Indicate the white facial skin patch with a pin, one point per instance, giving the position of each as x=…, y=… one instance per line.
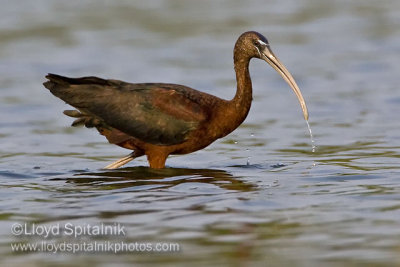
x=261, y=42
x=258, y=51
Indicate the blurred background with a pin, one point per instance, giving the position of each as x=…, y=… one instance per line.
x=257, y=197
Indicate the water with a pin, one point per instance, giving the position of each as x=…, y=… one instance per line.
x=313, y=146
x=336, y=206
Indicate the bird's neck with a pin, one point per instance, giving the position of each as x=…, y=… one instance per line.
x=244, y=92
x=235, y=111
x=241, y=103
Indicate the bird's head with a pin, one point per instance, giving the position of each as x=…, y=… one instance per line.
x=255, y=45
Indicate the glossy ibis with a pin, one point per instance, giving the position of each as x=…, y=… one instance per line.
x=160, y=119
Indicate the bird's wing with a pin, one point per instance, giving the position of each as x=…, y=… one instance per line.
x=154, y=113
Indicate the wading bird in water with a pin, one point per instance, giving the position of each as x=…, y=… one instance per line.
x=161, y=119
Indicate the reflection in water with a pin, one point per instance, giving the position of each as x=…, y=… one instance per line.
x=165, y=178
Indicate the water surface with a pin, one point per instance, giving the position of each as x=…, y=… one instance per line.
x=257, y=197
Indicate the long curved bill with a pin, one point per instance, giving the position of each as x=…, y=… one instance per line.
x=269, y=57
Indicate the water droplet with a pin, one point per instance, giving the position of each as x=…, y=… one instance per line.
x=248, y=161
x=248, y=157
x=313, y=146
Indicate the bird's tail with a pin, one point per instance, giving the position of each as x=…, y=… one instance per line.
x=58, y=80
x=75, y=91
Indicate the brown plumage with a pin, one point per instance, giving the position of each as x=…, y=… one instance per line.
x=159, y=119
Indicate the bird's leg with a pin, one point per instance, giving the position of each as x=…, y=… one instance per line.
x=124, y=160
x=157, y=160
x=119, y=163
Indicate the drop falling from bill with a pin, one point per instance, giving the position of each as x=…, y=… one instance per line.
x=313, y=146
